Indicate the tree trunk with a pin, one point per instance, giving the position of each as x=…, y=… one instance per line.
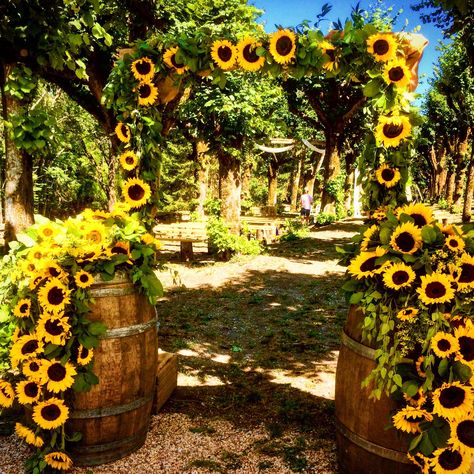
x=272, y=174
x=469, y=192
x=246, y=175
x=202, y=174
x=461, y=151
x=19, y=209
x=441, y=173
x=229, y=189
x=332, y=168
x=295, y=182
x=451, y=178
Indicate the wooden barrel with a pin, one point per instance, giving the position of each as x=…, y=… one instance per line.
x=365, y=445
x=114, y=416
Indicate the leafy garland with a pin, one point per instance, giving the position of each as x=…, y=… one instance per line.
x=413, y=278
x=45, y=291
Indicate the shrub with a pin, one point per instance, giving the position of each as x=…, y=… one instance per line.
x=443, y=204
x=212, y=207
x=324, y=218
x=294, y=229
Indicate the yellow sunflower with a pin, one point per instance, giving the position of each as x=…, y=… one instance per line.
x=466, y=274
x=54, y=296
x=148, y=239
x=56, y=376
x=396, y=72
x=283, y=46
x=136, y=192
x=83, y=355
x=24, y=348
x=32, y=369
x=35, y=280
x=408, y=419
x=28, y=435
x=380, y=213
x=120, y=248
x=406, y=238
x=83, y=279
x=129, y=160
x=169, y=57
x=364, y=265
x=453, y=400
x=450, y=461
x=95, y=233
x=58, y=460
x=89, y=253
x=28, y=391
x=22, y=308
x=53, y=328
x=387, y=176
x=417, y=400
x=450, y=229
x=391, y=130
x=421, y=214
x=421, y=461
x=398, y=276
x=444, y=344
x=455, y=243
x=7, y=394
x=53, y=270
x=224, y=54
x=407, y=314
x=368, y=235
x=435, y=288
x=147, y=93
x=420, y=366
x=462, y=434
x=382, y=46
x=465, y=338
x=120, y=209
x=247, y=56
x=329, y=50
x=37, y=253
x=123, y=132
x=48, y=231
x=50, y=414
x=143, y=69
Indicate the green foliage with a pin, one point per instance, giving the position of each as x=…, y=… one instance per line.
x=212, y=207
x=294, y=229
x=324, y=218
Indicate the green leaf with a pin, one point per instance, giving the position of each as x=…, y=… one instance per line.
x=372, y=88
x=415, y=442
x=428, y=234
x=426, y=446
x=410, y=388
x=350, y=285
x=89, y=342
x=356, y=297
x=97, y=328
x=49, y=349
x=443, y=367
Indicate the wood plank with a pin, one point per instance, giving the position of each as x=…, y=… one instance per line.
x=166, y=379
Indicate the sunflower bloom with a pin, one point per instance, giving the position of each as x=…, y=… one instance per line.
x=53, y=270
x=56, y=376
x=53, y=329
x=421, y=461
x=95, y=233
x=24, y=348
x=368, y=236
x=147, y=93
x=420, y=367
x=421, y=214
x=28, y=391
x=396, y=72
x=466, y=275
x=382, y=46
x=407, y=314
x=224, y=54
x=408, y=419
x=398, y=276
x=32, y=369
x=28, y=435
x=247, y=56
x=435, y=288
x=136, y=192
x=391, y=130
x=50, y=414
x=444, y=344
x=143, y=69
x=364, y=265
x=129, y=160
x=453, y=400
x=387, y=176
x=58, y=460
x=283, y=46
x=406, y=238
x=450, y=461
x=83, y=355
x=169, y=57
x=455, y=243
x=417, y=400
x=54, y=296
x=123, y=132
x=329, y=51
x=22, y=308
x=462, y=434
x=465, y=338
x=7, y=394
x=83, y=279
x=120, y=248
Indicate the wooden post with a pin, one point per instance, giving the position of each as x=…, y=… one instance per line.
x=186, y=251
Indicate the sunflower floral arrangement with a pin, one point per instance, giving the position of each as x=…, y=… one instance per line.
x=45, y=285
x=413, y=279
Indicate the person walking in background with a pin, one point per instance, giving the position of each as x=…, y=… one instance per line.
x=306, y=202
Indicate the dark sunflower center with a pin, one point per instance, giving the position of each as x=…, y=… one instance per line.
x=284, y=45
x=34, y=367
x=388, y=174
x=450, y=460
x=29, y=347
x=129, y=160
x=136, y=192
x=453, y=243
x=250, y=54
x=444, y=345
x=408, y=312
x=84, y=353
x=51, y=412
x=124, y=130
x=145, y=91
x=452, y=397
x=24, y=308
x=47, y=232
x=84, y=278
x=143, y=67
x=467, y=273
x=435, y=289
x=465, y=432
x=224, y=53
x=31, y=390
x=55, y=296
x=415, y=418
x=419, y=219
x=54, y=272
x=331, y=54
x=392, y=130
x=56, y=372
x=175, y=62
x=4, y=392
x=381, y=47
x=88, y=255
x=400, y=277
x=396, y=73
x=57, y=458
x=405, y=242
x=53, y=327
x=368, y=265
x=119, y=250
x=466, y=348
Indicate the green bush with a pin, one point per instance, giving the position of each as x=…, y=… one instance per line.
x=212, y=207
x=324, y=218
x=443, y=204
x=294, y=229
x=225, y=244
